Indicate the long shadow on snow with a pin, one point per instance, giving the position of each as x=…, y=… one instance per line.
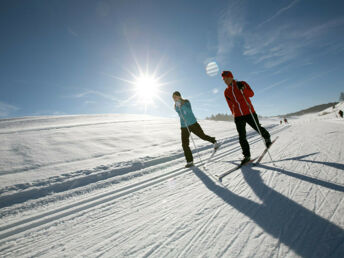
x=312, y=180
x=301, y=158
x=303, y=231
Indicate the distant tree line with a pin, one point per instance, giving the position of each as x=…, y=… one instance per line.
x=221, y=117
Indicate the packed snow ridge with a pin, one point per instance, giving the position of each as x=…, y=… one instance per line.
x=115, y=186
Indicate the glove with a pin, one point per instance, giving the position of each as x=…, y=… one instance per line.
x=240, y=85
x=178, y=103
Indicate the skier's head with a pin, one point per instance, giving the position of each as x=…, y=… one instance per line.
x=227, y=77
x=176, y=96
x=227, y=74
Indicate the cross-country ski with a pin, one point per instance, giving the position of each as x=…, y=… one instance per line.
x=237, y=167
x=253, y=162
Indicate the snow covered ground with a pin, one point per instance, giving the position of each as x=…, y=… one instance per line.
x=115, y=186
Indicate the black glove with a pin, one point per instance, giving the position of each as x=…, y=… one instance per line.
x=240, y=85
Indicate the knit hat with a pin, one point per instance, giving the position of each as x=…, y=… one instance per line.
x=227, y=74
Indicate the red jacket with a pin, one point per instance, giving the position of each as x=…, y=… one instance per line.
x=236, y=101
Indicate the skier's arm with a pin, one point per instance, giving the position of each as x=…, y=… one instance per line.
x=228, y=101
x=248, y=92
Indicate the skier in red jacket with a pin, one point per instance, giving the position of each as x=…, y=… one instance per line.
x=238, y=94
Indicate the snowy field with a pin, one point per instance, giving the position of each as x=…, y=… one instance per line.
x=116, y=186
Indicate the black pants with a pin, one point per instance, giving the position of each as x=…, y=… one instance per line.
x=240, y=123
x=196, y=129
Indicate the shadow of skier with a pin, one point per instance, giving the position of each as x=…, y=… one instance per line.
x=312, y=180
x=306, y=233
x=309, y=179
x=326, y=163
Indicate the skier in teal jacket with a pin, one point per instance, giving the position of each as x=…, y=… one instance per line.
x=188, y=123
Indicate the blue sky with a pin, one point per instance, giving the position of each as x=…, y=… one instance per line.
x=81, y=57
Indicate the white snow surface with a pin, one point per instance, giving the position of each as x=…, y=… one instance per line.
x=116, y=186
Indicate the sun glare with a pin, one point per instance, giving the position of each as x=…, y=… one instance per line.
x=146, y=88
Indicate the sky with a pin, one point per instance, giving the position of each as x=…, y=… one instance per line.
x=94, y=57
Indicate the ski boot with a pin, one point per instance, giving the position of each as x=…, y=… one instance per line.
x=189, y=164
x=216, y=146
x=245, y=160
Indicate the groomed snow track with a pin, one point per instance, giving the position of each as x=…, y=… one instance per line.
x=156, y=207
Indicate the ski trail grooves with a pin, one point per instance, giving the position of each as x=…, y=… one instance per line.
x=264, y=211
x=157, y=220
x=198, y=233
x=51, y=216
x=86, y=204
x=87, y=177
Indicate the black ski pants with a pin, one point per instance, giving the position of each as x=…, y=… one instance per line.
x=240, y=123
x=197, y=130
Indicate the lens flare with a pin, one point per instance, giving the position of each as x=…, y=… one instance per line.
x=212, y=69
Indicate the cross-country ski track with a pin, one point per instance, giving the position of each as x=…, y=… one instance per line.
x=149, y=205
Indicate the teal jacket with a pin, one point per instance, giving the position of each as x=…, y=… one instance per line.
x=185, y=114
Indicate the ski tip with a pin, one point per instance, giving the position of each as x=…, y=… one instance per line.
x=218, y=178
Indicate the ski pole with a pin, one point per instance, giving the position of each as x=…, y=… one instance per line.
x=199, y=156
x=260, y=133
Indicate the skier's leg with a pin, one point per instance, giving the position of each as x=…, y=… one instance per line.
x=240, y=123
x=197, y=129
x=264, y=132
x=185, y=144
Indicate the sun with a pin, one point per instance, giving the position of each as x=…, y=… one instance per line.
x=146, y=88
